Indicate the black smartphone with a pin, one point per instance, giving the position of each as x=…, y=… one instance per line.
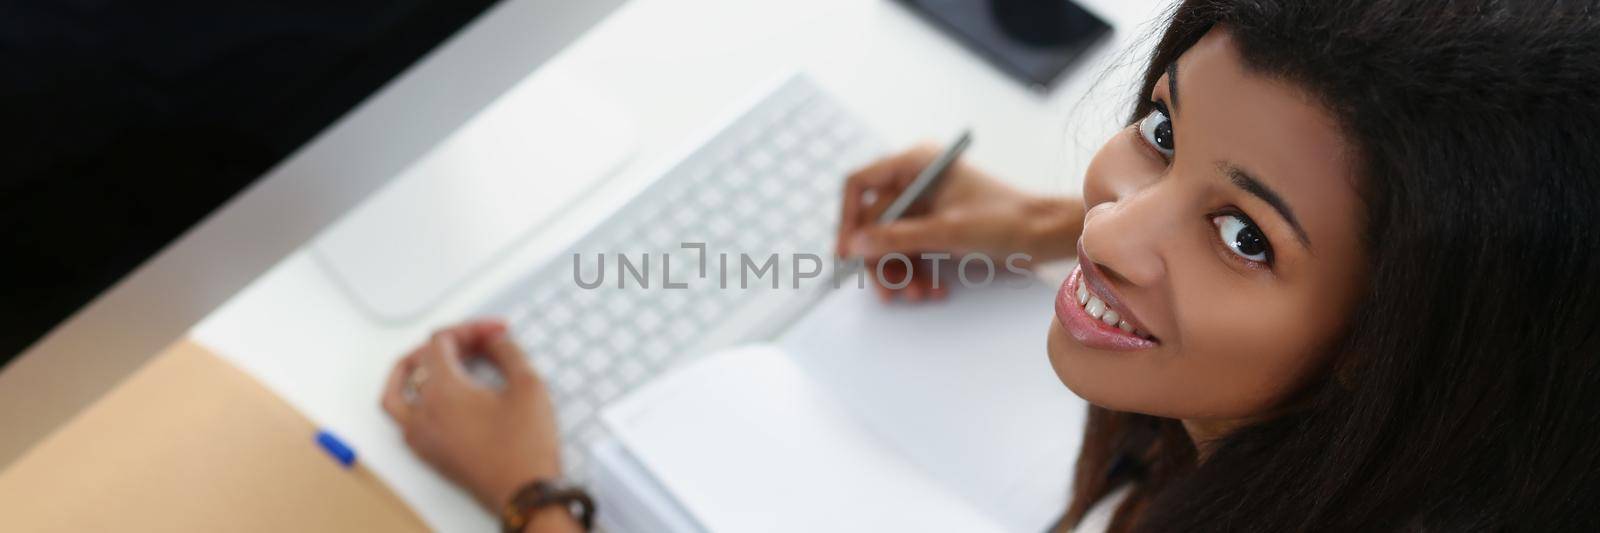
x=1034, y=41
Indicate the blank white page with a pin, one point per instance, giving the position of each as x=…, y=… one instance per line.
x=746, y=441
x=962, y=388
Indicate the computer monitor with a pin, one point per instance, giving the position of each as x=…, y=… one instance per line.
x=393, y=86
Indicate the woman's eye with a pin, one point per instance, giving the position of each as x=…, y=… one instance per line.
x=1156, y=128
x=1243, y=238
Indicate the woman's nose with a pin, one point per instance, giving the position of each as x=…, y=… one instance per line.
x=1128, y=234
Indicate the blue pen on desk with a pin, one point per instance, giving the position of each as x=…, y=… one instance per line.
x=344, y=454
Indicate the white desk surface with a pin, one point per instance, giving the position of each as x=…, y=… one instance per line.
x=676, y=65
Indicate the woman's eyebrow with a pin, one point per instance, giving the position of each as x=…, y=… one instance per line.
x=1244, y=181
x=1172, y=84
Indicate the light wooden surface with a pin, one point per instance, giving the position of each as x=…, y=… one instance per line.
x=189, y=443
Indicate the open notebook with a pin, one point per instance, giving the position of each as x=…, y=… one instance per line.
x=865, y=417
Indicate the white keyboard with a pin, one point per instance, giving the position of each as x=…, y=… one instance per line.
x=767, y=183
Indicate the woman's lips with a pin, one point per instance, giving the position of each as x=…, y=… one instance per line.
x=1088, y=330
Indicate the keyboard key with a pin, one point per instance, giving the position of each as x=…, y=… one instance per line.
x=677, y=194
x=597, y=362
x=721, y=228
x=809, y=228
x=584, y=298
x=712, y=198
x=594, y=325
x=819, y=150
x=758, y=160
x=794, y=170
x=736, y=178
x=623, y=341
x=748, y=134
x=785, y=141
x=651, y=213
x=799, y=204
x=656, y=350
x=589, y=433
x=746, y=209
x=701, y=174
x=622, y=307
x=543, y=295
x=709, y=311
x=568, y=381
x=543, y=362
x=604, y=389
x=843, y=134
x=791, y=246
x=517, y=316
x=811, y=118
x=682, y=331
x=828, y=182
x=673, y=301
x=533, y=337
x=777, y=226
x=631, y=372
x=558, y=315
x=686, y=216
x=647, y=320
x=771, y=190
x=721, y=152
x=749, y=241
x=574, y=413
x=567, y=348
x=830, y=208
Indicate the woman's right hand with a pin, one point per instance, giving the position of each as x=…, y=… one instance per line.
x=489, y=441
x=968, y=212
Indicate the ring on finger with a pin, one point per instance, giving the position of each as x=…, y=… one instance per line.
x=412, y=391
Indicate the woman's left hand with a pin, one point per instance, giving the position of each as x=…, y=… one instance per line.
x=488, y=441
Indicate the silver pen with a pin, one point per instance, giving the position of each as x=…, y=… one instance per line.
x=919, y=187
x=926, y=180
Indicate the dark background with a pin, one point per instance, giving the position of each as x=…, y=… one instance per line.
x=125, y=122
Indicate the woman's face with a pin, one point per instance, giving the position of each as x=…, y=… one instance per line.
x=1223, y=229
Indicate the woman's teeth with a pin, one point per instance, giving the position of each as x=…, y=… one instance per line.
x=1097, y=308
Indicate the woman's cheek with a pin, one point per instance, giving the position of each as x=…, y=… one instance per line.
x=1250, y=349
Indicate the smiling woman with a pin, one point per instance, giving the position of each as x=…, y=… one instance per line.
x=1180, y=242
x=1362, y=249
